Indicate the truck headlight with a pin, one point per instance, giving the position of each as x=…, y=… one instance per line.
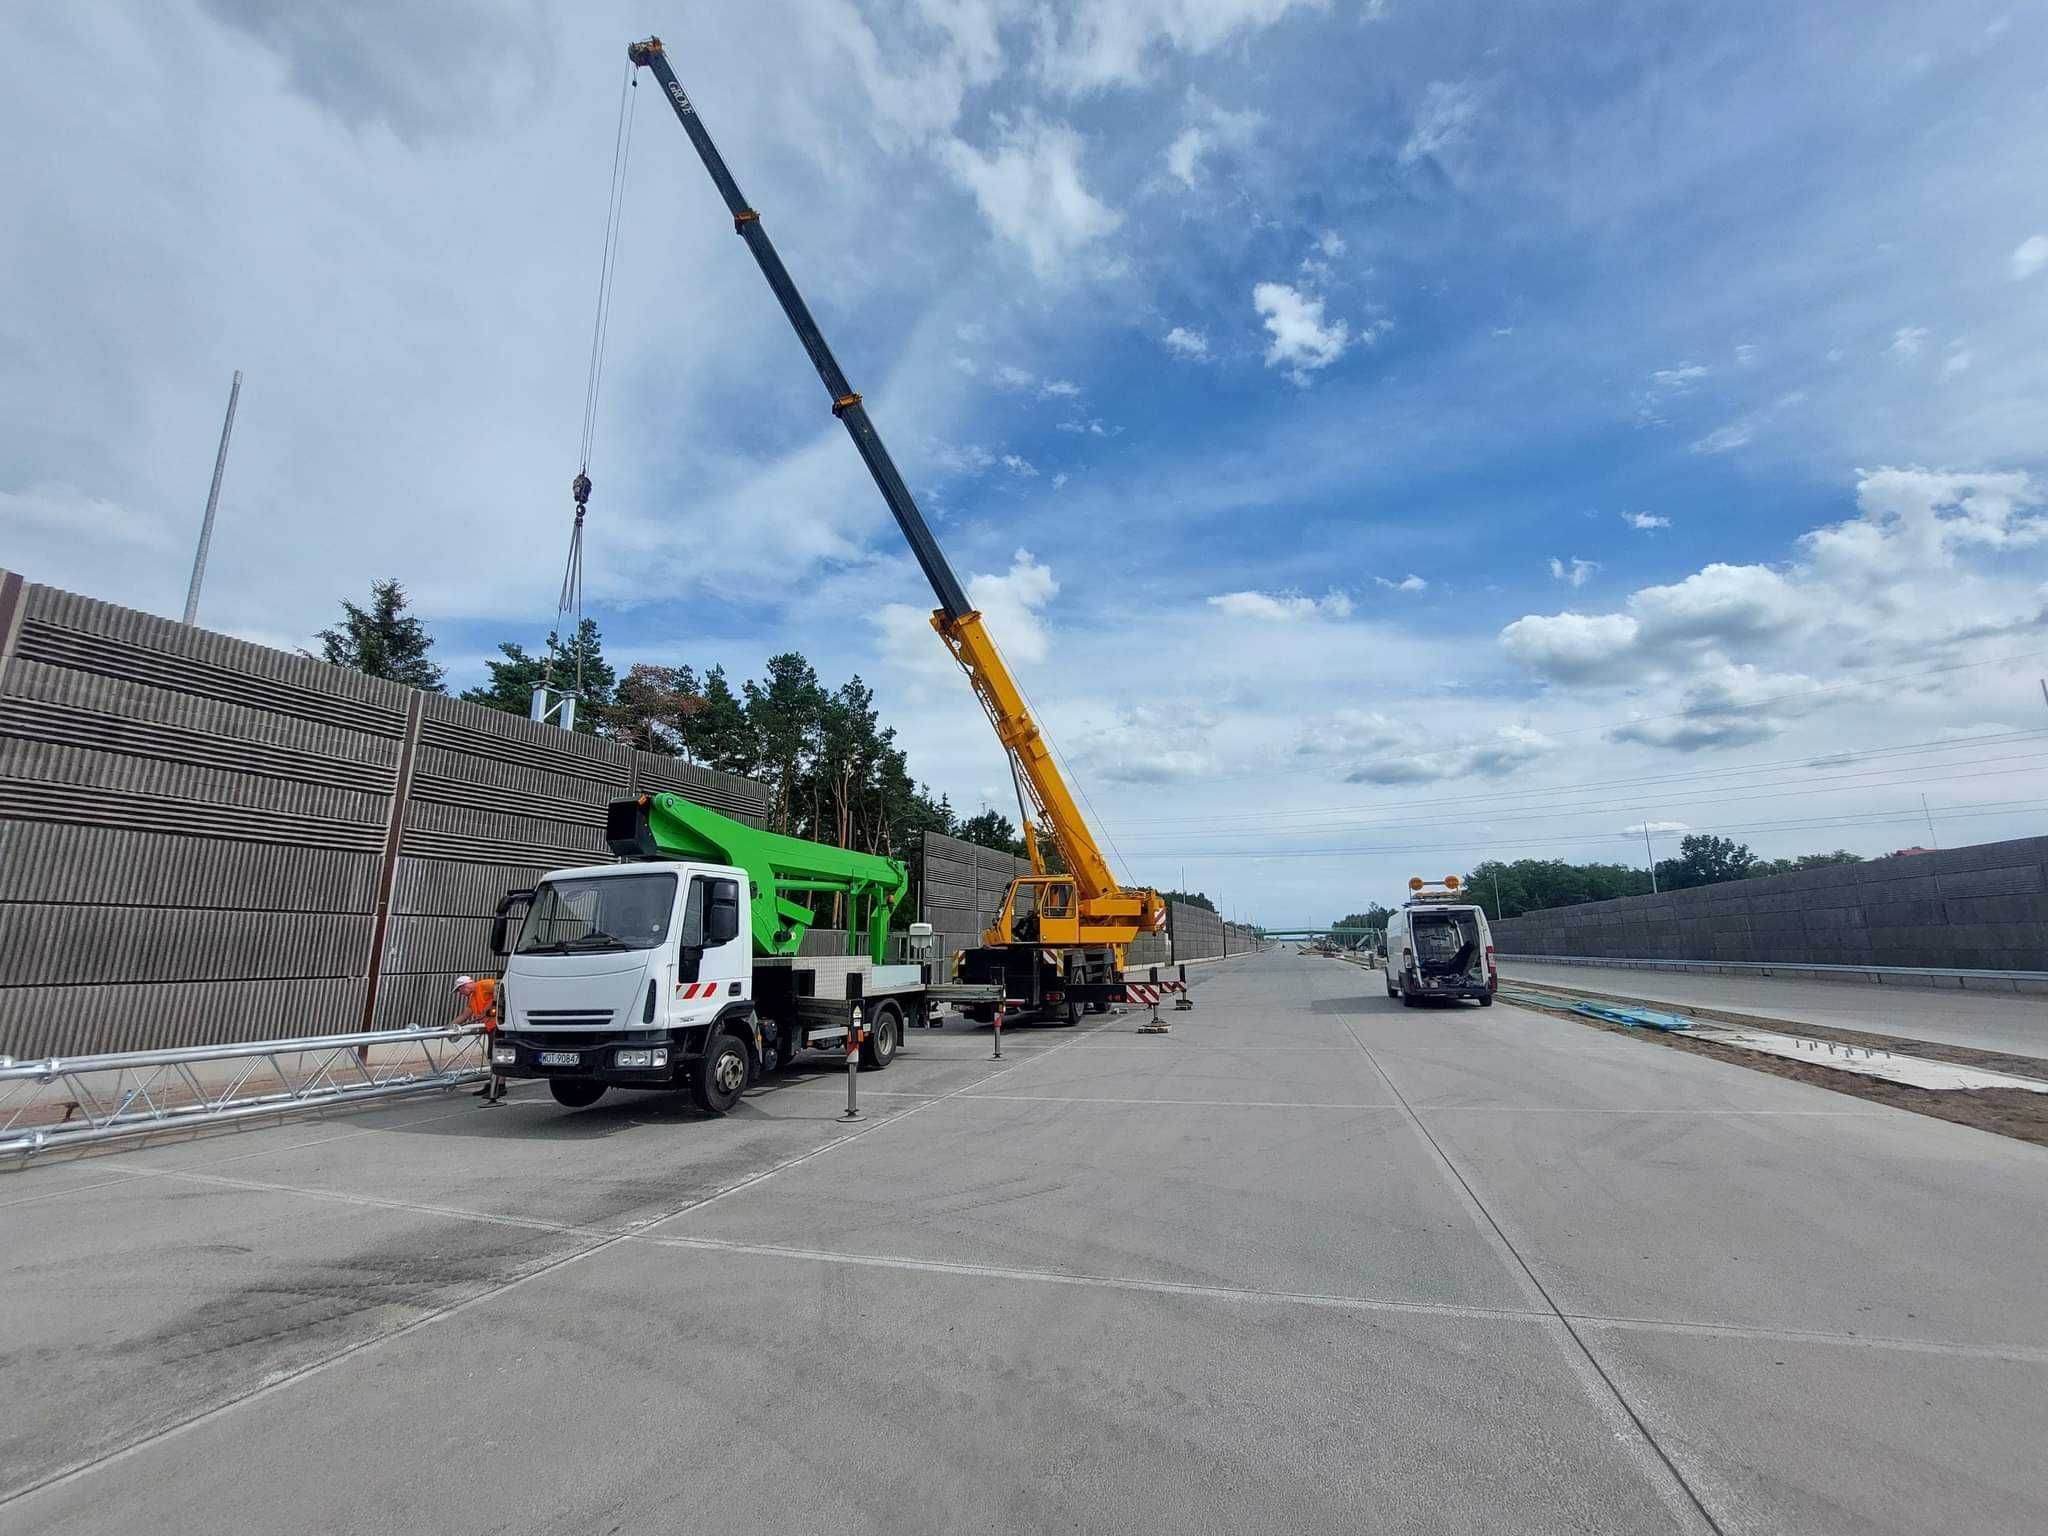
x=641, y=1060
x=504, y=1055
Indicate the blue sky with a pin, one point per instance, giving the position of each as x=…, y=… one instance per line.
x=1382, y=434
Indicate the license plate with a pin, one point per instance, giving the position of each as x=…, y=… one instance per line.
x=559, y=1058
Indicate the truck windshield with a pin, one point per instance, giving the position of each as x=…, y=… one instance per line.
x=601, y=912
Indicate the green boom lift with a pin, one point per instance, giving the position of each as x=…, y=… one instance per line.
x=667, y=826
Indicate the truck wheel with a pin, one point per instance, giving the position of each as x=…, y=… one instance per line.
x=1410, y=1000
x=719, y=1076
x=1068, y=1016
x=885, y=1035
x=1486, y=999
x=575, y=1094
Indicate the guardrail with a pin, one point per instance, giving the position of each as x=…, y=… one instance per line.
x=76, y=1100
x=1896, y=975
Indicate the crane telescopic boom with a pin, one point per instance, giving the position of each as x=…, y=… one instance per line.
x=1109, y=914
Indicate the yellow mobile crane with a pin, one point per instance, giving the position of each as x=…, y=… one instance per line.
x=1058, y=941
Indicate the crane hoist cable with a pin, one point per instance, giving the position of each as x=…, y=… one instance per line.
x=569, y=605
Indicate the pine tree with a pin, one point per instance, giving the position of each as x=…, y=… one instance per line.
x=514, y=679
x=383, y=640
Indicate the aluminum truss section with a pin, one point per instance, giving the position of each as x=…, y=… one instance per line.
x=77, y=1100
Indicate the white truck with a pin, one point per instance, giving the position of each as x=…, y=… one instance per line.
x=1439, y=945
x=679, y=968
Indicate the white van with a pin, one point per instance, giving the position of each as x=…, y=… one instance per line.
x=1438, y=946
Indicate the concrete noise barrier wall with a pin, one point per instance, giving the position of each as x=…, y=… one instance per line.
x=1983, y=907
x=205, y=840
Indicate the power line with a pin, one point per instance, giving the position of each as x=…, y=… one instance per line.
x=1839, y=823
x=1742, y=706
x=1514, y=798
x=1780, y=790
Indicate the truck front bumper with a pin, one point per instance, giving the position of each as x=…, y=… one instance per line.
x=596, y=1059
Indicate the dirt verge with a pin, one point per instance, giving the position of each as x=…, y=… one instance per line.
x=2010, y=1112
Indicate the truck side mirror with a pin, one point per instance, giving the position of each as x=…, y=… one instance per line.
x=501, y=925
x=722, y=919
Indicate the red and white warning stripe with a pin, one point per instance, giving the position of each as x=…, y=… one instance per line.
x=689, y=989
x=1149, y=992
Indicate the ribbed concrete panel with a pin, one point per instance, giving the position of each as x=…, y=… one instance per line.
x=1944, y=910
x=57, y=700
x=37, y=1022
x=445, y=887
x=381, y=712
x=427, y=997
x=54, y=862
x=444, y=946
x=49, y=762
x=47, y=946
x=741, y=799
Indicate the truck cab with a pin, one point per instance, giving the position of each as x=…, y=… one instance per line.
x=629, y=975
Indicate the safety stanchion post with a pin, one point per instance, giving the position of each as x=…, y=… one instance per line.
x=999, y=1029
x=853, y=1032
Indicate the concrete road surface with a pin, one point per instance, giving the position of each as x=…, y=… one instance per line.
x=1311, y=1263
x=2014, y=1022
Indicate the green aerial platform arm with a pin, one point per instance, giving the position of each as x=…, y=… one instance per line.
x=665, y=826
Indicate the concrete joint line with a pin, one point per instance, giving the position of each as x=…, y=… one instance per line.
x=2018, y=1353
x=285, y=1383
x=1677, y=1494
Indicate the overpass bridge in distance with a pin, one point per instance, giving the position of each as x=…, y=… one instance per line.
x=1352, y=934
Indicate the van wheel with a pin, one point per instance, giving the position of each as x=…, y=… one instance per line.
x=1392, y=990
x=1410, y=1000
x=1486, y=999
x=885, y=1036
x=719, y=1076
x=573, y=1094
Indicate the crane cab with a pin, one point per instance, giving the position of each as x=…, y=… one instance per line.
x=1041, y=909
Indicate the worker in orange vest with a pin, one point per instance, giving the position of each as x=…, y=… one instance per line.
x=480, y=1008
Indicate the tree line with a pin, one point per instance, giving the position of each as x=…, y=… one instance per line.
x=834, y=771
x=1515, y=887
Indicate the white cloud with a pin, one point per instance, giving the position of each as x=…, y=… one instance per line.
x=971, y=332
x=1745, y=354
x=1654, y=828
x=1209, y=128
x=1089, y=427
x=1891, y=584
x=1409, y=583
x=1443, y=123
x=1059, y=389
x=1282, y=607
x=1736, y=434
x=1683, y=379
x=1302, y=340
x=1112, y=42
x=90, y=521
x=1031, y=191
x=1012, y=605
x=1331, y=244
x=1575, y=574
x=1572, y=647
x=1958, y=360
x=1381, y=750
x=1192, y=345
x=1059, y=479
x=1645, y=520
x=1010, y=376
x=1906, y=341
x=2029, y=257
x=1018, y=466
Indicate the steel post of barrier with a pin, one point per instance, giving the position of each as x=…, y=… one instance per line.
x=999, y=1028
x=853, y=1023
